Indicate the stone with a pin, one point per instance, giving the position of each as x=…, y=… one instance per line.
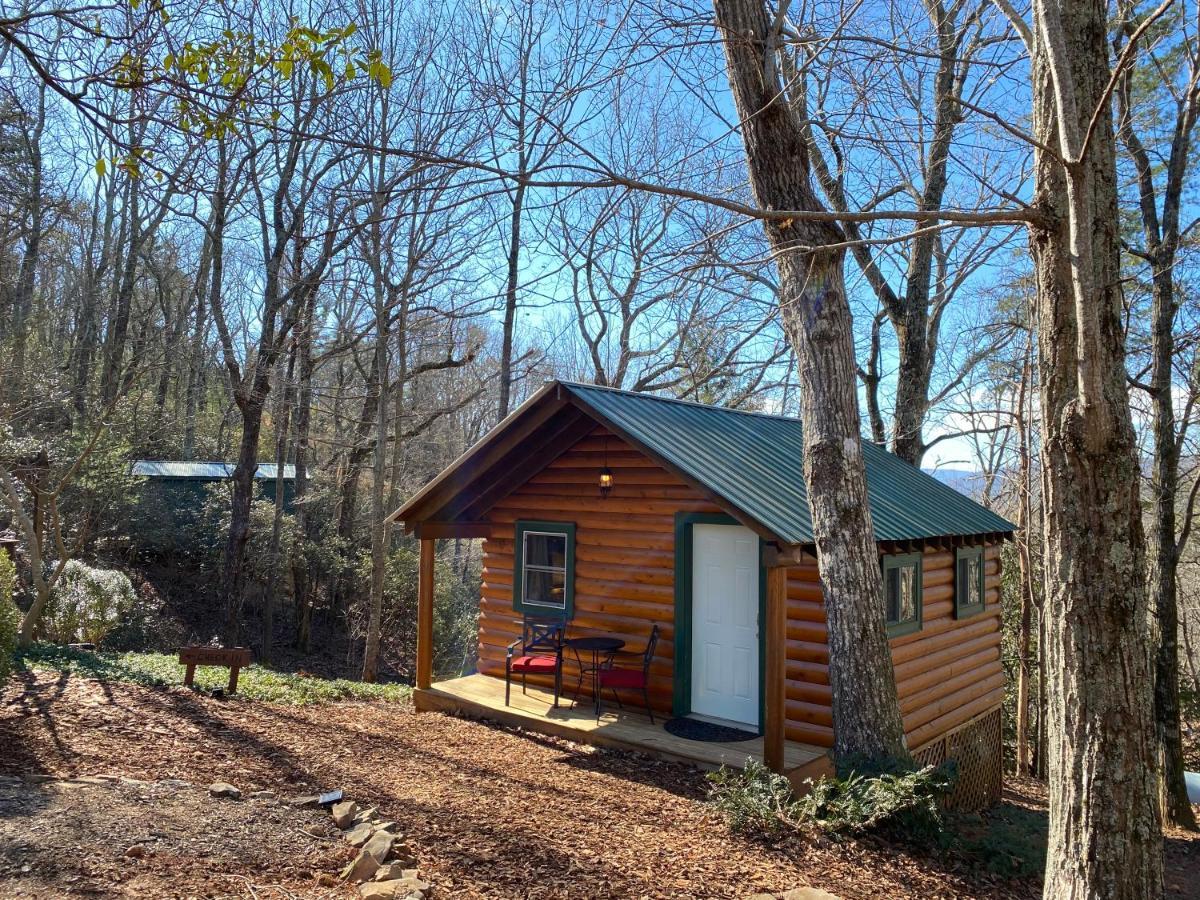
x=366, y=815
x=807, y=893
x=224, y=789
x=761, y=897
x=394, y=870
x=91, y=779
x=263, y=795
x=362, y=868
x=359, y=834
x=343, y=813
x=395, y=888
x=326, y=880
x=137, y=851
x=314, y=830
x=380, y=845
x=306, y=801
x=403, y=854
x=39, y=778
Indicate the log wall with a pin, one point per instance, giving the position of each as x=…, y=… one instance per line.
x=625, y=581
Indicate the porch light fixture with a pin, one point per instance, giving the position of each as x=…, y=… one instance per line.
x=606, y=475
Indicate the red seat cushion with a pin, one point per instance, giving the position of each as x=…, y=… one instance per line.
x=622, y=678
x=534, y=664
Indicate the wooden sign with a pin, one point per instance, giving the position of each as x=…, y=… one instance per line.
x=232, y=658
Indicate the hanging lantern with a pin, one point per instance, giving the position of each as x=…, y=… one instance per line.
x=606, y=475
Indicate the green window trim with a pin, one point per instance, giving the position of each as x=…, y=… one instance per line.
x=904, y=561
x=963, y=609
x=567, y=530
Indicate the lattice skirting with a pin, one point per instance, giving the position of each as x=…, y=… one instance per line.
x=976, y=749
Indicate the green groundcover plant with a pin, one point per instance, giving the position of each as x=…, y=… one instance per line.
x=898, y=798
x=162, y=670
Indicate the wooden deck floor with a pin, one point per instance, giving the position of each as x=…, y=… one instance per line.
x=481, y=696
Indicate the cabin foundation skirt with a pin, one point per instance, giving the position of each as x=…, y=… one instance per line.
x=978, y=754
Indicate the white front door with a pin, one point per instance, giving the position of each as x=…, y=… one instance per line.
x=725, y=568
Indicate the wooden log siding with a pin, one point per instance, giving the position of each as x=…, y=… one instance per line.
x=947, y=673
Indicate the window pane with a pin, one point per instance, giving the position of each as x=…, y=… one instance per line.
x=545, y=588
x=908, y=594
x=974, y=580
x=892, y=591
x=546, y=550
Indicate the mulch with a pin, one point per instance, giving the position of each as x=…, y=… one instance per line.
x=491, y=812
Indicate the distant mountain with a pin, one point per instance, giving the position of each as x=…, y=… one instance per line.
x=965, y=481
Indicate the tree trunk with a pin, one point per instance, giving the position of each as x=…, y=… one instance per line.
x=370, y=669
x=242, y=484
x=1164, y=551
x=282, y=424
x=1105, y=837
x=1024, y=562
x=510, y=298
x=817, y=320
x=300, y=579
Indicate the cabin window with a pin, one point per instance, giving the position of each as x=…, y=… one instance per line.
x=968, y=582
x=544, y=579
x=902, y=591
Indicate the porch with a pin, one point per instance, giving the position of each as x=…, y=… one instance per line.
x=482, y=697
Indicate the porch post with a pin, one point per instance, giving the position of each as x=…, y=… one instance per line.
x=774, y=668
x=425, y=615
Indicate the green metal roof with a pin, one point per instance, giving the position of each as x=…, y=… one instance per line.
x=753, y=462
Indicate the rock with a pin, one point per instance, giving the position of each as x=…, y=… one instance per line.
x=403, y=855
x=39, y=778
x=263, y=795
x=395, y=870
x=362, y=868
x=305, y=802
x=314, y=830
x=807, y=893
x=380, y=845
x=366, y=815
x=378, y=890
x=326, y=880
x=224, y=789
x=398, y=887
x=761, y=897
x=137, y=851
x=91, y=779
x=343, y=813
x=359, y=834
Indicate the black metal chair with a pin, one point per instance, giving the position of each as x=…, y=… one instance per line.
x=616, y=677
x=539, y=650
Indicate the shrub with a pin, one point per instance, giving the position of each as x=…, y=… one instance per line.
x=896, y=798
x=10, y=618
x=754, y=799
x=87, y=604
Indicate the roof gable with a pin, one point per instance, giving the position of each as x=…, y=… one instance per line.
x=748, y=462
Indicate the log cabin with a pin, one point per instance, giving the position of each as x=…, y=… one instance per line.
x=619, y=512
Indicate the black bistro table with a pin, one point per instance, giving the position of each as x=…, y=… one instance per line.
x=598, y=646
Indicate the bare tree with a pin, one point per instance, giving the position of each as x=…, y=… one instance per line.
x=817, y=319
x=1160, y=205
